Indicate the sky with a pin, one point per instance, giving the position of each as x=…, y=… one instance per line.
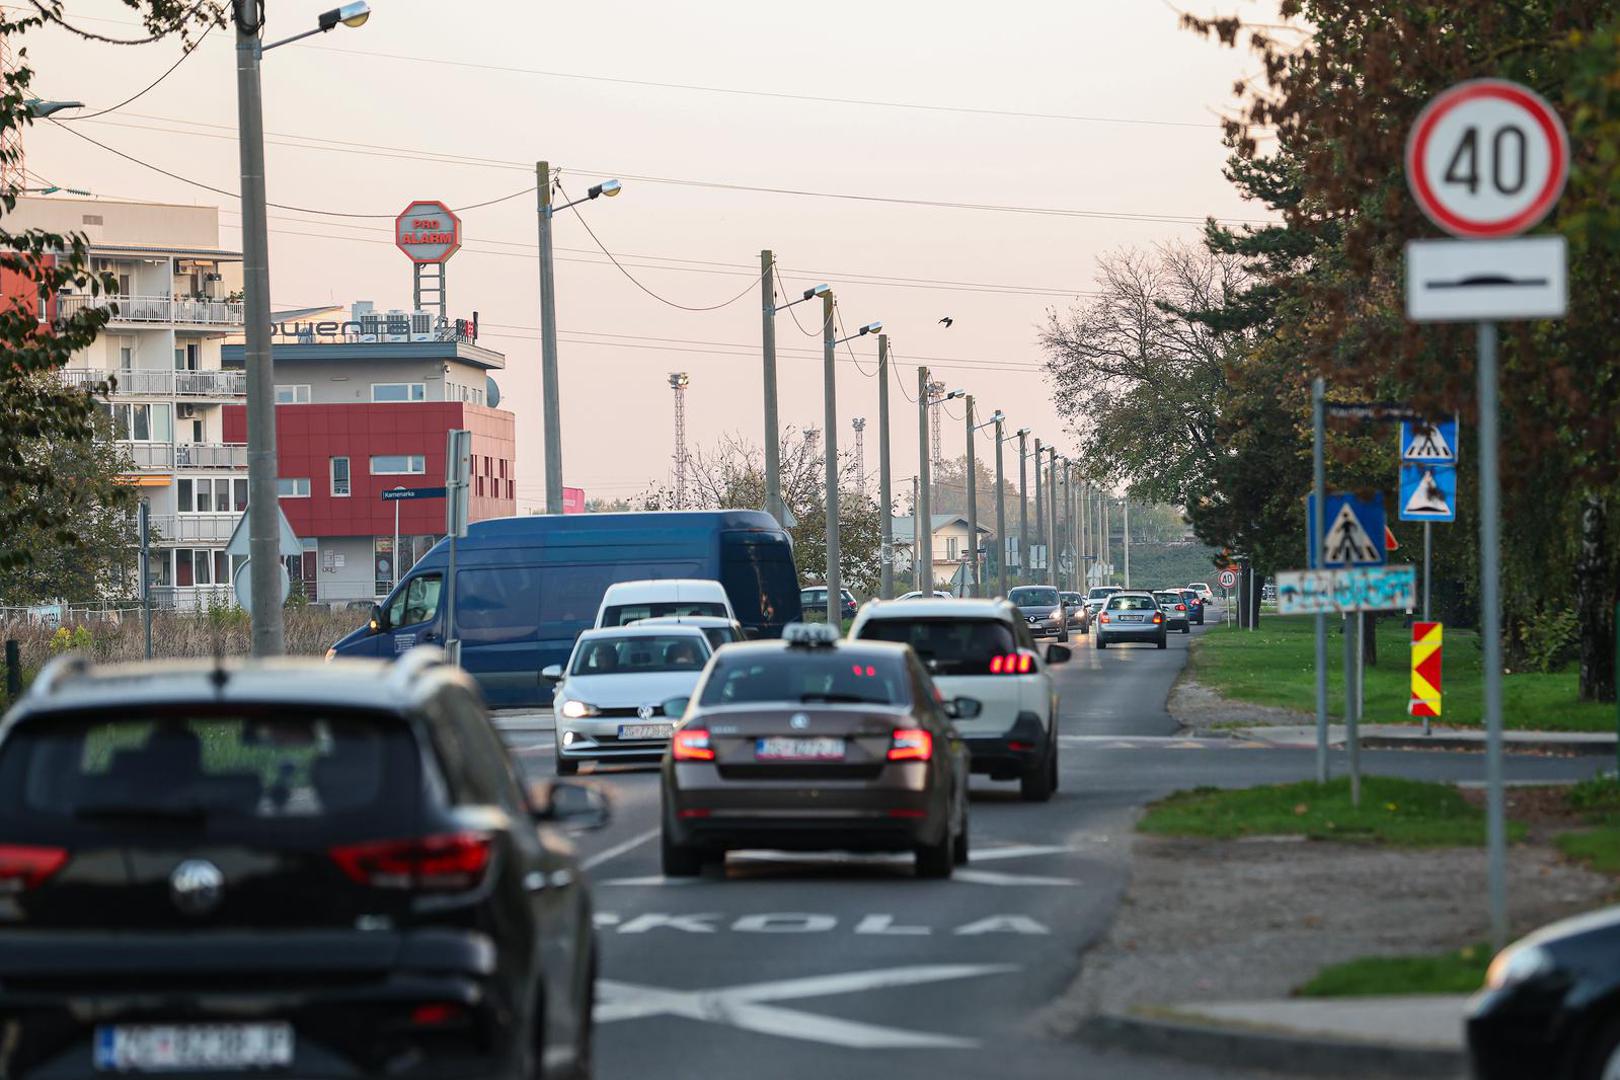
x=1104, y=110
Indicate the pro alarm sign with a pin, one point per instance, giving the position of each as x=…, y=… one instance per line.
x=427, y=231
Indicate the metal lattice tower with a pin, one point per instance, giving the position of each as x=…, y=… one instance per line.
x=678, y=382
x=936, y=391
x=12, y=173
x=859, y=424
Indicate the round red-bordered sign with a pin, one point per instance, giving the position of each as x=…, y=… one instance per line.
x=1493, y=127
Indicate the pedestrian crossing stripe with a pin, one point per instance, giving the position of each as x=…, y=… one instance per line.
x=1427, y=641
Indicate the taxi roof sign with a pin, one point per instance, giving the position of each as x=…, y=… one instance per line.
x=810, y=635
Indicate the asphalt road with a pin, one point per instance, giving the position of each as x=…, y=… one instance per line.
x=797, y=965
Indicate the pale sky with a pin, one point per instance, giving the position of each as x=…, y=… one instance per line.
x=1130, y=103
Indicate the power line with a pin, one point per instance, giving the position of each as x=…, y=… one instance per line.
x=50, y=15
x=189, y=49
x=847, y=347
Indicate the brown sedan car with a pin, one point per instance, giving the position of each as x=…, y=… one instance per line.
x=816, y=743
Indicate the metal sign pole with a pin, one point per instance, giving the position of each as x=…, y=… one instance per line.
x=1490, y=628
x=1428, y=552
x=1319, y=474
x=393, y=555
x=1350, y=703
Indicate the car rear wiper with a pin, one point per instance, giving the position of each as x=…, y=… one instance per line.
x=176, y=812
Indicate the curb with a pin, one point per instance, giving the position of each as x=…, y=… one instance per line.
x=1297, y=1055
x=1573, y=748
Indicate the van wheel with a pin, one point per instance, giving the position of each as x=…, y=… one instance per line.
x=567, y=766
x=679, y=860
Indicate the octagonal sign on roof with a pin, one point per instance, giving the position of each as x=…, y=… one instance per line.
x=428, y=232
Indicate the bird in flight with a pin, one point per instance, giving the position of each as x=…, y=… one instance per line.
x=946, y=322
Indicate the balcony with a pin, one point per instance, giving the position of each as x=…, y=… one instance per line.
x=210, y=529
x=193, y=597
x=157, y=310
x=163, y=382
x=167, y=457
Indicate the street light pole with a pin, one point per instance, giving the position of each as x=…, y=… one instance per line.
x=1001, y=513
x=1040, y=526
x=1051, y=524
x=1023, y=503
x=922, y=540
x=1125, y=536
x=264, y=510
x=835, y=601
x=550, y=394
x=973, y=504
x=885, y=495
x=773, y=450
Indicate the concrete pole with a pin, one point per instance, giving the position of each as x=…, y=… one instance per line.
x=1068, y=525
x=1001, y=516
x=1107, y=536
x=835, y=581
x=1040, y=510
x=885, y=495
x=1085, y=532
x=1078, y=574
x=1125, y=537
x=1051, y=531
x=1023, y=506
x=144, y=521
x=916, y=531
x=552, y=402
x=264, y=509
x=973, y=504
x=773, y=445
x=1490, y=629
x=923, y=539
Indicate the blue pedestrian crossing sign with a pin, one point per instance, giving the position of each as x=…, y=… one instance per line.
x=1433, y=442
x=1428, y=493
x=1355, y=531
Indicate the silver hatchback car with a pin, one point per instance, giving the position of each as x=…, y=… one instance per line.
x=1131, y=616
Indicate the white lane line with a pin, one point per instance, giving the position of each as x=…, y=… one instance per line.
x=742, y=1006
x=618, y=849
x=1025, y=851
x=991, y=877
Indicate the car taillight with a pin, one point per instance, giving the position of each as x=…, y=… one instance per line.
x=446, y=863
x=1181, y=607
x=1103, y=617
x=1158, y=616
x=24, y=867
x=1015, y=663
x=911, y=744
x=692, y=744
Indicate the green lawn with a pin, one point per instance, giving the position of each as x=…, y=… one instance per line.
x=1275, y=665
x=1408, y=813
x=1598, y=800
x=1459, y=972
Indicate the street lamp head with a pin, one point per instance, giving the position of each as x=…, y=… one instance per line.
x=998, y=417
x=955, y=394
x=350, y=15
x=1023, y=432
x=39, y=109
x=609, y=188
x=871, y=328
x=817, y=290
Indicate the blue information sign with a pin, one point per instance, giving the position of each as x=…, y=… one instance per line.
x=1355, y=531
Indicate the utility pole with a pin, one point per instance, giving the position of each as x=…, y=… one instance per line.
x=1125, y=536
x=1051, y=529
x=1001, y=514
x=1072, y=487
x=1084, y=496
x=859, y=424
x=144, y=527
x=916, y=532
x=973, y=504
x=923, y=539
x=773, y=449
x=1068, y=573
x=1023, y=504
x=678, y=382
x=835, y=602
x=885, y=496
x=550, y=394
x=1040, y=519
x=264, y=507
x=1107, y=537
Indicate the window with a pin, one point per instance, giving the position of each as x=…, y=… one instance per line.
x=947, y=646
x=196, y=566
x=340, y=477
x=210, y=495
x=1132, y=603
x=187, y=357
x=292, y=394
x=802, y=676
x=398, y=465
x=417, y=603
x=398, y=391
x=951, y=548
x=126, y=357
x=624, y=614
x=143, y=423
x=293, y=487
x=641, y=654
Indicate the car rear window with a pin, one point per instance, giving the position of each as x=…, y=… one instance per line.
x=1033, y=597
x=272, y=765
x=640, y=654
x=806, y=677
x=947, y=646
x=1132, y=603
x=624, y=614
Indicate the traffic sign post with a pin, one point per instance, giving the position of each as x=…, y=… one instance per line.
x=1427, y=638
x=1355, y=531
x=397, y=495
x=1428, y=451
x=1487, y=160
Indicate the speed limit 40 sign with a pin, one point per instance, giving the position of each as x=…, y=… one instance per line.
x=1487, y=158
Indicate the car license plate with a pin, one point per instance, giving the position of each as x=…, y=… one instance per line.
x=1130, y=618
x=645, y=731
x=210, y=1047
x=799, y=749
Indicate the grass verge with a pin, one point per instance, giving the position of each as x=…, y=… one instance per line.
x=1458, y=972
x=1275, y=665
x=1406, y=813
x=1598, y=846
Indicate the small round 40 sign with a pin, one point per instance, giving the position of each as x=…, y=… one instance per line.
x=1487, y=158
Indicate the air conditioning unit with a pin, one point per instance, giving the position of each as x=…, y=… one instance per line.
x=185, y=410
x=422, y=326
x=371, y=326
x=397, y=326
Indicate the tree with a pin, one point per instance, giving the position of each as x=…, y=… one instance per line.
x=37, y=500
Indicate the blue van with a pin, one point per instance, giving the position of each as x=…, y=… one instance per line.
x=526, y=587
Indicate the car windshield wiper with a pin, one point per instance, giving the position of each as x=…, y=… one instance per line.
x=171, y=812
x=839, y=699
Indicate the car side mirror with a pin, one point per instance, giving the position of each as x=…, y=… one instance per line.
x=751, y=633
x=571, y=804
x=964, y=708
x=552, y=673
x=1058, y=654
x=675, y=707
x=378, y=621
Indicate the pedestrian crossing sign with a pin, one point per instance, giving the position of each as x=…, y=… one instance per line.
x=1354, y=531
x=1429, y=442
x=1428, y=493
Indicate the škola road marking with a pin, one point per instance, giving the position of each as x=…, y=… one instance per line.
x=799, y=922
x=967, y=875
x=742, y=1006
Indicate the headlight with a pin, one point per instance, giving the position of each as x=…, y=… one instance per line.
x=1517, y=964
x=331, y=653
x=575, y=710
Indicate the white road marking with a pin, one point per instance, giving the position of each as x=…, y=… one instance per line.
x=991, y=877
x=1003, y=924
x=798, y=922
x=823, y=858
x=884, y=924
x=536, y=748
x=618, y=849
x=741, y=1006
x=691, y=924
x=1024, y=851
x=784, y=923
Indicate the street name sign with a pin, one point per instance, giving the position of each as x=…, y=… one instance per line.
x=1429, y=442
x=1524, y=277
x=1428, y=493
x=1355, y=531
x=397, y=494
x=1335, y=592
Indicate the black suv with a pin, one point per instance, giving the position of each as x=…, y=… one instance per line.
x=284, y=867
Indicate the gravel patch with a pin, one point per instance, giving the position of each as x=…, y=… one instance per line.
x=1253, y=919
x=1202, y=711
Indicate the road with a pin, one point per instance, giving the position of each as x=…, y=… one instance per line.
x=798, y=965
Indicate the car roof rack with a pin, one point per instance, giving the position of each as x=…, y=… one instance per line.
x=410, y=665
x=56, y=670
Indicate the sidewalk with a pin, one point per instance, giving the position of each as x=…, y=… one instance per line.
x=1372, y=1036
x=1411, y=737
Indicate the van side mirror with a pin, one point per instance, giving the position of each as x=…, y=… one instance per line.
x=1058, y=654
x=571, y=804
x=378, y=621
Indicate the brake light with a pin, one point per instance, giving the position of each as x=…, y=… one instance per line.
x=1158, y=616
x=437, y=1014
x=1181, y=607
x=1017, y=663
x=911, y=744
x=450, y=862
x=1103, y=617
x=24, y=867
x=692, y=744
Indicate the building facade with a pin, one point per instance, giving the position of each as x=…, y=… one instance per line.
x=950, y=547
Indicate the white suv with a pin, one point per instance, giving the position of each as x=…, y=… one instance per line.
x=983, y=649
